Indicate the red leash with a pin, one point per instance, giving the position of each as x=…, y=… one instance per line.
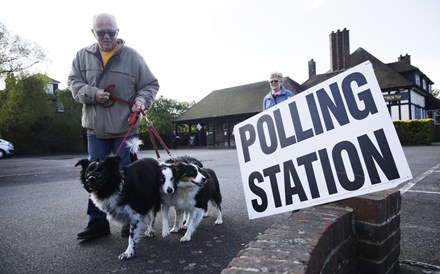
x=151, y=131
x=113, y=98
x=129, y=130
x=132, y=120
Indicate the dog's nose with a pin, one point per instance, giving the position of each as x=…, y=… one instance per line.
x=170, y=190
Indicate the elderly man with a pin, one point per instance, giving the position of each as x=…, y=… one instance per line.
x=108, y=61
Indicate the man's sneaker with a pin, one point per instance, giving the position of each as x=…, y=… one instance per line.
x=125, y=231
x=95, y=229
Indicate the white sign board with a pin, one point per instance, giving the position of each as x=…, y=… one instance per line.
x=333, y=141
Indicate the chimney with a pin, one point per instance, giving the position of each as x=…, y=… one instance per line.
x=406, y=58
x=312, y=68
x=339, y=50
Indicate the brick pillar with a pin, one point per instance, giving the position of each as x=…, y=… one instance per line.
x=377, y=230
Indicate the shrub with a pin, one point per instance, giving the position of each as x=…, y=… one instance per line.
x=415, y=132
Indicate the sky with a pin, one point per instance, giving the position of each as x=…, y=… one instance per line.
x=194, y=47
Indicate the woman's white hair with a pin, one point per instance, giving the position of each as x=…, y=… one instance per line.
x=277, y=75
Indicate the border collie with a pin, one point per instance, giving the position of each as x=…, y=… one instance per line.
x=128, y=195
x=188, y=188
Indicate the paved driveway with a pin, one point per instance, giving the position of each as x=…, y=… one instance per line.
x=42, y=208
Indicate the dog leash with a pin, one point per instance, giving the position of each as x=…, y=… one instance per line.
x=114, y=98
x=132, y=120
x=153, y=133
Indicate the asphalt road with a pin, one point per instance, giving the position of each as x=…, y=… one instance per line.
x=43, y=205
x=420, y=214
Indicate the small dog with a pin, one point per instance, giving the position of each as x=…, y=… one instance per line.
x=127, y=195
x=188, y=188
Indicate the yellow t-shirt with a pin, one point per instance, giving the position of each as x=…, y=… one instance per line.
x=105, y=55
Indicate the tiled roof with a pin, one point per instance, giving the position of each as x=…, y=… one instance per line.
x=406, y=67
x=246, y=99
x=387, y=77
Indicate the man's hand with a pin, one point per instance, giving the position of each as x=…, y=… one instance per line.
x=101, y=96
x=137, y=106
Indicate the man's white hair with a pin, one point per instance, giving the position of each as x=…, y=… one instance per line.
x=104, y=17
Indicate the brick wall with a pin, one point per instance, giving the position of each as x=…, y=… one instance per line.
x=377, y=230
x=356, y=235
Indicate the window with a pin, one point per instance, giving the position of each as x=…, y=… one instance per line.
x=417, y=112
x=404, y=113
x=212, y=127
x=417, y=79
x=395, y=113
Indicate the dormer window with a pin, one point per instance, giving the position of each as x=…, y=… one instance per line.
x=418, y=80
x=424, y=84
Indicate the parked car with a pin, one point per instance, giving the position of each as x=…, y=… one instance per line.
x=6, y=148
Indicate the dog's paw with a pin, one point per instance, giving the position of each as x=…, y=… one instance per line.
x=150, y=233
x=174, y=230
x=218, y=222
x=185, y=239
x=125, y=256
x=165, y=234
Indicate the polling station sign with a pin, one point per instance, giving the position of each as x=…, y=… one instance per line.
x=333, y=141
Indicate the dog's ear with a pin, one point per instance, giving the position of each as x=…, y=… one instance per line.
x=113, y=161
x=187, y=169
x=170, y=161
x=177, y=168
x=84, y=163
x=195, y=162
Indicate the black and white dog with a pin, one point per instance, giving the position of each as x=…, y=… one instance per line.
x=182, y=188
x=130, y=194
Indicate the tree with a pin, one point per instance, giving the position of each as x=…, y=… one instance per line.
x=436, y=93
x=25, y=104
x=25, y=101
x=16, y=53
x=161, y=115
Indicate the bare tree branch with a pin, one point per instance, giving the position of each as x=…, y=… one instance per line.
x=17, y=54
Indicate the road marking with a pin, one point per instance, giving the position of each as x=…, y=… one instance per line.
x=413, y=182
x=24, y=174
x=426, y=192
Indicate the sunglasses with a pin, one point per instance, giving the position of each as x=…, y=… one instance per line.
x=102, y=33
x=273, y=81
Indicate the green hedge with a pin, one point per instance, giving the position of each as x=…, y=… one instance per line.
x=415, y=132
